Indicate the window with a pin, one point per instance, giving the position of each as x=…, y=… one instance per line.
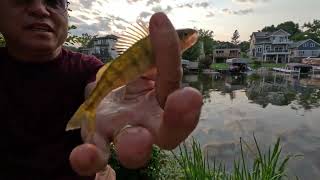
x=314, y=53
x=301, y=53
x=281, y=39
x=268, y=48
x=259, y=49
x=312, y=45
x=305, y=45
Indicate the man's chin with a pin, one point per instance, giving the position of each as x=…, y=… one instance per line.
x=42, y=47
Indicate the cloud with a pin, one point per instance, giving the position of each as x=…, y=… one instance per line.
x=133, y=1
x=151, y=2
x=160, y=9
x=250, y=1
x=145, y=14
x=210, y=14
x=191, y=5
x=238, y=12
x=202, y=4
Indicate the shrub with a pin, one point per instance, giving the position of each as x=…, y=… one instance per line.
x=151, y=171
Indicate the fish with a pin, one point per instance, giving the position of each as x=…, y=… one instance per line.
x=135, y=58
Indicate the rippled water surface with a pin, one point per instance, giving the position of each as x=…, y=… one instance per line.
x=267, y=104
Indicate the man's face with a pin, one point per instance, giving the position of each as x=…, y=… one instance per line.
x=35, y=25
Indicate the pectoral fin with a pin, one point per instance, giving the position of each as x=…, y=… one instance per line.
x=81, y=115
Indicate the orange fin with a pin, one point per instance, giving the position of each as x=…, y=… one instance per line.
x=131, y=35
x=102, y=70
x=82, y=116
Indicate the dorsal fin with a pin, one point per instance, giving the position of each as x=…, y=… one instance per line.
x=131, y=35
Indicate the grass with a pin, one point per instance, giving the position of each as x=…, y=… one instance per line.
x=266, y=165
x=224, y=66
x=219, y=66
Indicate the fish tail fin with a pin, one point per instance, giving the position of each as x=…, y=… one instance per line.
x=80, y=117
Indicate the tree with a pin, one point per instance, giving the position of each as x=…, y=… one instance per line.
x=192, y=53
x=71, y=39
x=206, y=37
x=313, y=30
x=235, y=38
x=271, y=28
x=2, y=41
x=85, y=39
x=244, y=46
x=290, y=27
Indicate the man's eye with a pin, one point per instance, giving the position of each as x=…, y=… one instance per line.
x=57, y=4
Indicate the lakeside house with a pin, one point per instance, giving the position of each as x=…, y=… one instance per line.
x=304, y=49
x=102, y=48
x=270, y=46
x=221, y=55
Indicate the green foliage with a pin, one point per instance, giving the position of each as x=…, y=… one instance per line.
x=205, y=62
x=219, y=66
x=85, y=39
x=271, y=28
x=71, y=39
x=244, y=46
x=289, y=26
x=151, y=171
x=266, y=165
x=225, y=45
x=2, y=41
x=235, y=38
x=312, y=30
x=192, y=53
x=206, y=37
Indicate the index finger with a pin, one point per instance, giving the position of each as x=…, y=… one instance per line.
x=166, y=48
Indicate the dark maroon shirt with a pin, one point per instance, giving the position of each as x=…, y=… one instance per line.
x=36, y=102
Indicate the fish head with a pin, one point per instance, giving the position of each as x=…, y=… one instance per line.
x=188, y=37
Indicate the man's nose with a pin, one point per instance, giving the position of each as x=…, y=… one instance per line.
x=38, y=8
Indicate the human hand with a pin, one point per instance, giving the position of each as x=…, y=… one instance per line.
x=156, y=109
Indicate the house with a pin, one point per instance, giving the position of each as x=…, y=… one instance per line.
x=222, y=54
x=102, y=48
x=270, y=46
x=303, y=49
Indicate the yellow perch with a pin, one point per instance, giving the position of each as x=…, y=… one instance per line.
x=135, y=59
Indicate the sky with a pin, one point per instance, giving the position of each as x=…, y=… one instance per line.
x=223, y=17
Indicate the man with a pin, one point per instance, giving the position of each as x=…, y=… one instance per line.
x=42, y=85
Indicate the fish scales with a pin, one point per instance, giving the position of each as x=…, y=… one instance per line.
x=123, y=70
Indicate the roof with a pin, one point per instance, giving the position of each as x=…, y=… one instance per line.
x=261, y=34
x=236, y=60
x=268, y=34
x=298, y=65
x=299, y=43
x=111, y=36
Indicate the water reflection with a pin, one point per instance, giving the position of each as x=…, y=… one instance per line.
x=265, y=103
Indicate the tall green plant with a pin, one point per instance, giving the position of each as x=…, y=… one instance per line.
x=2, y=41
x=266, y=165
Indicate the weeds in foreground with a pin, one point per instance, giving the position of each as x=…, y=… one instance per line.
x=266, y=166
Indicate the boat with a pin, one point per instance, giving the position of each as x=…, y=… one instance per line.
x=295, y=68
x=238, y=65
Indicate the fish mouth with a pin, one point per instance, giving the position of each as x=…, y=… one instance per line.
x=190, y=41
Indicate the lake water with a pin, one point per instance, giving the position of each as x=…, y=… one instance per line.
x=265, y=103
